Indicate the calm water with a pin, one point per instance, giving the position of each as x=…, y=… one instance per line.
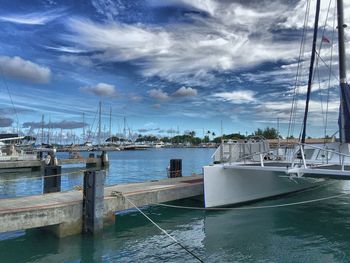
x=314, y=232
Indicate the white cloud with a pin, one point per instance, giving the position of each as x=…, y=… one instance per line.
x=158, y=94
x=76, y=60
x=295, y=16
x=65, y=49
x=236, y=97
x=185, y=92
x=136, y=98
x=18, y=68
x=32, y=18
x=101, y=89
x=109, y=8
x=233, y=36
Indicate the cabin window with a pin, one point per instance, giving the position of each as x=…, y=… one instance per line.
x=325, y=155
x=308, y=153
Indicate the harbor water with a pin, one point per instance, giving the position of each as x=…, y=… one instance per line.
x=304, y=232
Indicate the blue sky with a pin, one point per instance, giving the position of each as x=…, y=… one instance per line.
x=164, y=65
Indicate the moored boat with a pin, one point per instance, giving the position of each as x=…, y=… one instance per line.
x=249, y=170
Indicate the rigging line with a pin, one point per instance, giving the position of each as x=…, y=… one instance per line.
x=317, y=63
x=320, y=91
x=164, y=231
x=91, y=127
x=311, y=68
x=253, y=207
x=298, y=91
x=330, y=69
x=9, y=93
x=299, y=68
x=325, y=63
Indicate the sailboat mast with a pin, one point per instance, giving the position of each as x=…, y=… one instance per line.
x=312, y=62
x=110, y=123
x=344, y=123
x=83, y=127
x=99, y=124
x=42, y=129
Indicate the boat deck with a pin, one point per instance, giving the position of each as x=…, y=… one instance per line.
x=329, y=171
x=310, y=166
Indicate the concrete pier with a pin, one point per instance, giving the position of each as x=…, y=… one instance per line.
x=61, y=213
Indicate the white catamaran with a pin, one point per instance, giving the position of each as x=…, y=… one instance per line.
x=248, y=170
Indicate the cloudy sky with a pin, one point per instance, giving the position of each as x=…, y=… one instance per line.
x=164, y=65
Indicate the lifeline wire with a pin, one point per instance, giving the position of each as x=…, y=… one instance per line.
x=166, y=233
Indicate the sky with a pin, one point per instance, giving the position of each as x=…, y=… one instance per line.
x=166, y=66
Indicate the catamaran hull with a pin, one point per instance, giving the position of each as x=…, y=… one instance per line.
x=229, y=186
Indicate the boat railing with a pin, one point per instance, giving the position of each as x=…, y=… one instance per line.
x=299, y=155
x=235, y=151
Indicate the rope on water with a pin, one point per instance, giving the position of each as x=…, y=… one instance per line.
x=252, y=207
x=161, y=229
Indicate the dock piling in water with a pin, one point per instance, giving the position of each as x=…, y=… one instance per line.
x=52, y=183
x=175, y=169
x=93, y=201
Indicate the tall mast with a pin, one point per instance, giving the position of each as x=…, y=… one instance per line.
x=99, y=123
x=49, y=130
x=312, y=62
x=110, y=122
x=42, y=129
x=344, y=114
x=124, y=130
x=83, y=127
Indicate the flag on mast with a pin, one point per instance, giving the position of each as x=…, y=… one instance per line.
x=325, y=40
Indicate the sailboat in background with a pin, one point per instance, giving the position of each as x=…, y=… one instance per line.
x=249, y=170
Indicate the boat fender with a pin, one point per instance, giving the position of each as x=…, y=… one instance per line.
x=47, y=159
x=105, y=158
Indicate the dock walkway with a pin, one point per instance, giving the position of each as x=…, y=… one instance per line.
x=62, y=212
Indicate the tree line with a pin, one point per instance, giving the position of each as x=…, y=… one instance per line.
x=190, y=137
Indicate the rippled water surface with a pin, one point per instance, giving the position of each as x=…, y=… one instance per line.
x=312, y=232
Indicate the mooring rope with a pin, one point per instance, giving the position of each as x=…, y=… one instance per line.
x=251, y=207
x=163, y=230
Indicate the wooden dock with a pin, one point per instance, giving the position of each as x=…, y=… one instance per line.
x=61, y=213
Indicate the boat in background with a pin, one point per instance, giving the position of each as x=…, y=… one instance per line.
x=246, y=171
x=159, y=144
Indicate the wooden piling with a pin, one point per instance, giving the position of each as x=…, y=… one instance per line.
x=52, y=183
x=175, y=168
x=93, y=201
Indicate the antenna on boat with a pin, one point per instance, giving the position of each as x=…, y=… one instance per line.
x=312, y=62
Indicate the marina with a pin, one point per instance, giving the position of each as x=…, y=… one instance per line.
x=298, y=228
x=183, y=131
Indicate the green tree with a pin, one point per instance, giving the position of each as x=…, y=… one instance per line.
x=267, y=133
